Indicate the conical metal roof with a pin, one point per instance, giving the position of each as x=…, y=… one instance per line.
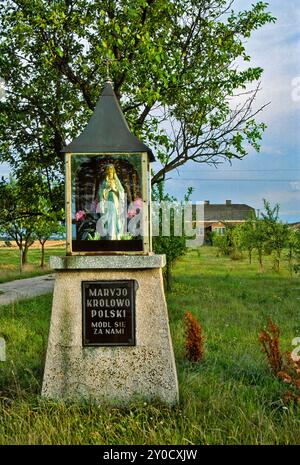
x=107, y=130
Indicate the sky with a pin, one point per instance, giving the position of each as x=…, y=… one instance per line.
x=274, y=173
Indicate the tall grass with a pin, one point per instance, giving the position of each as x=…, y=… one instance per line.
x=10, y=265
x=230, y=397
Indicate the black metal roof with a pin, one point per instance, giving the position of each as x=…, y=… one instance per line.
x=107, y=130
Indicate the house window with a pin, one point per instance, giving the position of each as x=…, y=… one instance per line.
x=220, y=231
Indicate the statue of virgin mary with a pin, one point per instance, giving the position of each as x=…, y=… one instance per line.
x=111, y=206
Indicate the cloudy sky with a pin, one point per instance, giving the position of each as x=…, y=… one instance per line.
x=274, y=173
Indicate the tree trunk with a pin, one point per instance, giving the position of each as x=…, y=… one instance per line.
x=277, y=261
x=43, y=255
x=261, y=266
x=24, y=255
x=21, y=258
x=27, y=243
x=290, y=256
x=250, y=256
x=290, y=260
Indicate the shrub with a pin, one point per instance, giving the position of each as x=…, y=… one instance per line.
x=269, y=340
x=296, y=268
x=285, y=366
x=291, y=375
x=223, y=245
x=229, y=243
x=172, y=246
x=194, y=339
x=236, y=255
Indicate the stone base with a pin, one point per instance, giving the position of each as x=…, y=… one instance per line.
x=115, y=375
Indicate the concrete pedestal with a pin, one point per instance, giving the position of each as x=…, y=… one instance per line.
x=115, y=375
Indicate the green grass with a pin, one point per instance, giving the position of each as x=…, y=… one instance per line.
x=10, y=267
x=229, y=398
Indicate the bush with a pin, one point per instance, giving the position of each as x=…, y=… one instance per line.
x=223, y=245
x=172, y=246
x=269, y=339
x=236, y=255
x=297, y=269
x=194, y=340
x=284, y=366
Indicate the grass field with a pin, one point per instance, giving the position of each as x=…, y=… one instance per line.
x=229, y=398
x=10, y=265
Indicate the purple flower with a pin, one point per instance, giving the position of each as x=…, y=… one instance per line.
x=137, y=204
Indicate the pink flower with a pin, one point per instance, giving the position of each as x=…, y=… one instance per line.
x=80, y=215
x=131, y=213
x=137, y=204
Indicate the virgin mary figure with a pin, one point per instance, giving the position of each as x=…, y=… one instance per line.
x=111, y=206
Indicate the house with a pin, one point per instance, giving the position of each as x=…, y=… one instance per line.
x=295, y=225
x=217, y=216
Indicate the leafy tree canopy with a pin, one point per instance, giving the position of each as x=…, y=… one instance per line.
x=171, y=61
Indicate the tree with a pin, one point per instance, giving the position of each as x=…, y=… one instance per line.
x=46, y=224
x=222, y=242
x=247, y=237
x=293, y=246
x=17, y=215
x=26, y=212
x=172, y=61
x=260, y=237
x=277, y=232
x=227, y=242
x=171, y=245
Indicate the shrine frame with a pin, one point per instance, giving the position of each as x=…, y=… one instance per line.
x=146, y=246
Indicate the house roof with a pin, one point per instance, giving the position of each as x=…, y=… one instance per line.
x=107, y=130
x=231, y=212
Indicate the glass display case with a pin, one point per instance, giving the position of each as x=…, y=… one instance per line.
x=107, y=203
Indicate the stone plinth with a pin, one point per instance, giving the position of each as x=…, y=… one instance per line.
x=113, y=374
x=96, y=262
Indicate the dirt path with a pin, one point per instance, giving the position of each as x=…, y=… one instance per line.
x=26, y=288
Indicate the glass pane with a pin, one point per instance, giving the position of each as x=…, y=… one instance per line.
x=107, y=200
